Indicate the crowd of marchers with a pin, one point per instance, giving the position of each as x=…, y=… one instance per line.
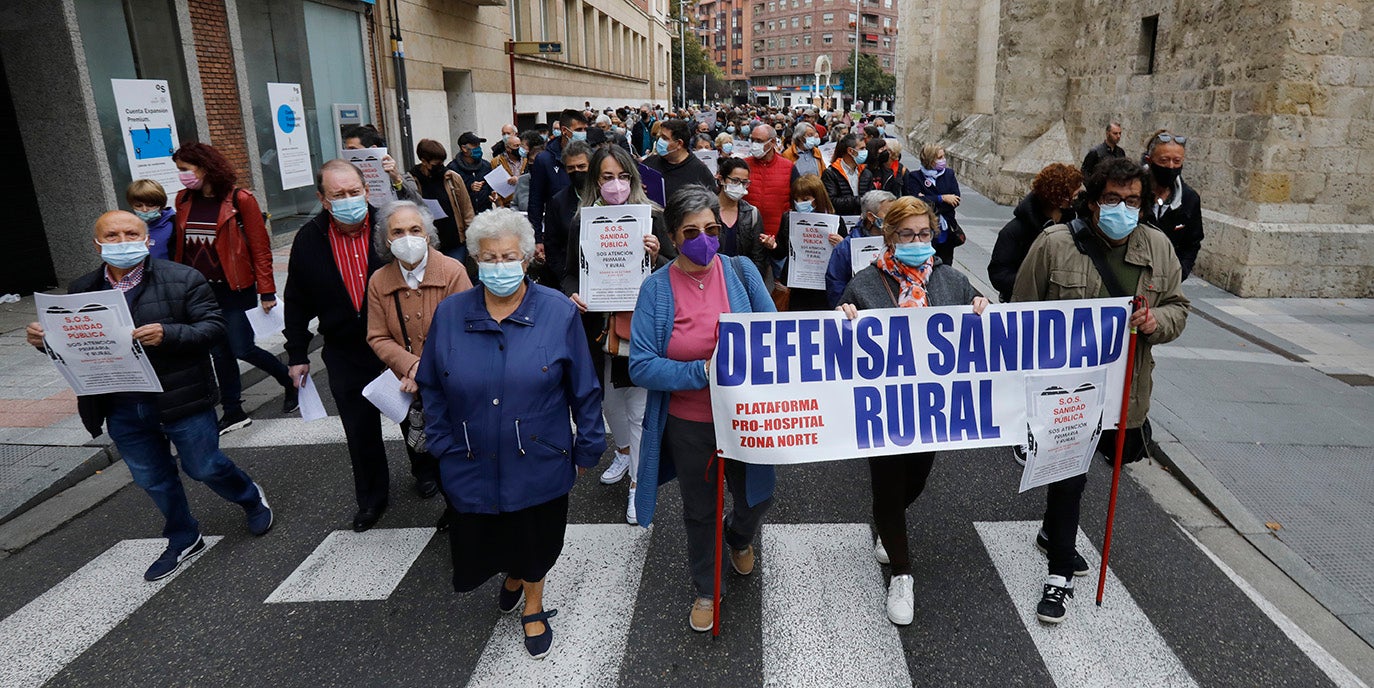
x=477, y=311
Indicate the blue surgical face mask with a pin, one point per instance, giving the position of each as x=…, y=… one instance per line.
x=729, y=130
x=882, y=130
x=349, y=211
x=148, y=215
x=476, y=152
x=727, y=148
x=124, y=254
x=806, y=206
x=1117, y=221
x=812, y=142
x=501, y=279
x=523, y=153
x=861, y=157
x=579, y=135
x=913, y=254
x=660, y=147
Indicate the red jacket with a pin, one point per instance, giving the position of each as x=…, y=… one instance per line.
x=245, y=254
x=770, y=190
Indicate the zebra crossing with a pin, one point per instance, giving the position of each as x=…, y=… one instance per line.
x=309, y=604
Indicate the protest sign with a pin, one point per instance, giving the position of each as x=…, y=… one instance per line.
x=613, y=262
x=149, y=130
x=385, y=393
x=369, y=162
x=740, y=149
x=1065, y=416
x=266, y=324
x=708, y=117
x=808, y=248
x=498, y=179
x=289, y=135
x=792, y=388
x=828, y=152
x=89, y=337
x=312, y=406
x=710, y=156
x=654, y=186
x=863, y=251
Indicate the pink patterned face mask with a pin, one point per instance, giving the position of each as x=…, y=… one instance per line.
x=189, y=179
x=615, y=191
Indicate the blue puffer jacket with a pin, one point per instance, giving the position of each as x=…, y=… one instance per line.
x=498, y=396
x=650, y=368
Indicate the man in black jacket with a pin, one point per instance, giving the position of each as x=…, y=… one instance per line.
x=675, y=162
x=562, y=208
x=331, y=261
x=177, y=320
x=1106, y=150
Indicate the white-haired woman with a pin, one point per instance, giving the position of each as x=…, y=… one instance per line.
x=401, y=299
x=503, y=368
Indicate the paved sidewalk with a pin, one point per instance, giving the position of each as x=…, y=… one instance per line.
x=1266, y=408
x=44, y=449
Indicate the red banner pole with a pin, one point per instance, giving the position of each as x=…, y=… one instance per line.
x=1116, y=468
x=720, y=537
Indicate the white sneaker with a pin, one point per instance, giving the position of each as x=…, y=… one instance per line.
x=880, y=552
x=619, y=467
x=1018, y=454
x=901, y=600
x=630, y=517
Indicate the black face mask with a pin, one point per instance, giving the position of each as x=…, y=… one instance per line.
x=1165, y=176
x=579, y=179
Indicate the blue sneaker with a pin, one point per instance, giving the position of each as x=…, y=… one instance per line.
x=172, y=558
x=539, y=645
x=260, y=515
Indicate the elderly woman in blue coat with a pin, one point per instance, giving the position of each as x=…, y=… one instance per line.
x=503, y=369
x=673, y=334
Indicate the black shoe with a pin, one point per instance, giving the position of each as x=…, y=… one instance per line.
x=539, y=645
x=292, y=401
x=233, y=420
x=1054, y=600
x=442, y=524
x=172, y=559
x=1018, y=454
x=1080, y=565
x=508, y=600
x=366, y=518
x=426, y=487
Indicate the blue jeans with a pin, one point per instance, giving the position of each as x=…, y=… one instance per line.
x=237, y=346
x=142, y=440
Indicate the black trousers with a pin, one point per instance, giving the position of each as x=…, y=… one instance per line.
x=350, y=369
x=1063, y=499
x=897, y=482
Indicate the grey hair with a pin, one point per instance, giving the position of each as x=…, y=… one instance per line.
x=874, y=200
x=499, y=222
x=800, y=132
x=895, y=147
x=380, y=236
x=603, y=119
x=692, y=198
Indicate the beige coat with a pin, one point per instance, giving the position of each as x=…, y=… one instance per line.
x=1055, y=270
x=444, y=277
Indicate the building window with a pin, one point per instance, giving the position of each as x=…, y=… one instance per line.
x=828, y=18
x=806, y=40
x=772, y=25
x=887, y=62
x=796, y=40
x=794, y=60
x=796, y=22
x=770, y=63
x=758, y=27
x=772, y=7
x=887, y=22
x=850, y=39
x=887, y=42
x=1145, y=55
x=806, y=22
x=758, y=63
x=828, y=38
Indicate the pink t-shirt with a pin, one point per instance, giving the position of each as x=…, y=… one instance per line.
x=697, y=306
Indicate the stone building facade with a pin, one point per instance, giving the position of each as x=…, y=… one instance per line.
x=1276, y=97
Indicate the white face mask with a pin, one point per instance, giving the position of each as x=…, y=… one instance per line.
x=735, y=191
x=409, y=248
x=757, y=149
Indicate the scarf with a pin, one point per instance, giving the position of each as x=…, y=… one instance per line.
x=912, y=280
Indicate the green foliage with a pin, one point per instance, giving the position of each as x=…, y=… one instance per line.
x=874, y=83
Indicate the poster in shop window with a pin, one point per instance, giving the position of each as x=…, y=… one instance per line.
x=613, y=262
x=149, y=130
x=808, y=248
x=89, y=338
x=289, y=132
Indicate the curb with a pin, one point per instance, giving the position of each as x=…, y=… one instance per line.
x=101, y=457
x=1355, y=613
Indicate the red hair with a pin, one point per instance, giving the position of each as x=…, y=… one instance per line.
x=219, y=173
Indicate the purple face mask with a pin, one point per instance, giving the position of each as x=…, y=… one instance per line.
x=701, y=249
x=940, y=165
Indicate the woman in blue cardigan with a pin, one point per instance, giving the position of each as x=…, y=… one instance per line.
x=673, y=334
x=934, y=183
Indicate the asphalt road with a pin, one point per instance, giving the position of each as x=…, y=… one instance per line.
x=812, y=615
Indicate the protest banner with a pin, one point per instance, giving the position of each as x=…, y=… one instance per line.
x=792, y=388
x=613, y=262
x=709, y=117
x=369, y=162
x=149, y=129
x=89, y=337
x=710, y=156
x=809, y=249
x=289, y=135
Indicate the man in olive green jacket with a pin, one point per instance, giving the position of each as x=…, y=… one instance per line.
x=1141, y=260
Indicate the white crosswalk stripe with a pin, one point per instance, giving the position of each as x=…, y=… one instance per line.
x=354, y=566
x=594, y=587
x=56, y=627
x=1111, y=645
x=824, y=609
x=281, y=432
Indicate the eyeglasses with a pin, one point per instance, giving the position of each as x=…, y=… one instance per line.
x=1113, y=199
x=624, y=177
x=689, y=232
x=742, y=182
x=907, y=237
x=1173, y=138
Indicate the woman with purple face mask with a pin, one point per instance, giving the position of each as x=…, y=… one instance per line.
x=673, y=336
x=613, y=179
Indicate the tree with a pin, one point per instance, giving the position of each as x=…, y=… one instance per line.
x=874, y=83
x=698, y=61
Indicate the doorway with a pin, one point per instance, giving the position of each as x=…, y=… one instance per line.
x=462, y=105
